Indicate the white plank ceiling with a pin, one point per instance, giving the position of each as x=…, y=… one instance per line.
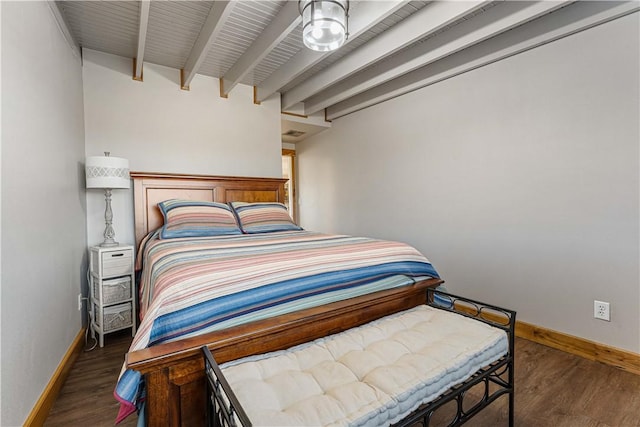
x=393, y=47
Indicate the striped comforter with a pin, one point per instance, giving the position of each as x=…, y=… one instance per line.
x=194, y=285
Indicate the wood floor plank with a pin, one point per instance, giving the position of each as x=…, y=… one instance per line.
x=553, y=389
x=86, y=399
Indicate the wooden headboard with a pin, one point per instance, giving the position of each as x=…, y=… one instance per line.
x=151, y=188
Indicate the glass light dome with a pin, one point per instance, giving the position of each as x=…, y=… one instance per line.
x=324, y=23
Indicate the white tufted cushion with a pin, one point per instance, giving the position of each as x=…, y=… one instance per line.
x=372, y=375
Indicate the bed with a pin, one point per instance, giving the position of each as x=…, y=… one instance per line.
x=173, y=371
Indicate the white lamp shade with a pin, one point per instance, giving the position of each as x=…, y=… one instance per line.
x=107, y=172
x=324, y=24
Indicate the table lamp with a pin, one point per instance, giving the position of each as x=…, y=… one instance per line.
x=108, y=173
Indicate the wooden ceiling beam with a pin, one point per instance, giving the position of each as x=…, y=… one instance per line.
x=142, y=37
x=424, y=22
x=220, y=11
x=287, y=19
x=369, y=14
x=496, y=20
x=569, y=20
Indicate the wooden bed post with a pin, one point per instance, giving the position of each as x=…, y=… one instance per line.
x=160, y=406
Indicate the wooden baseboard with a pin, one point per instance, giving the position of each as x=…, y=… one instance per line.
x=621, y=359
x=42, y=407
x=618, y=358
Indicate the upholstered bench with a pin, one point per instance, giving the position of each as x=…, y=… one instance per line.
x=395, y=370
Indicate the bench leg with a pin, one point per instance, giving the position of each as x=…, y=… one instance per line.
x=512, y=395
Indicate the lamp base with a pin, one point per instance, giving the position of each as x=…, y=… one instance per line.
x=109, y=233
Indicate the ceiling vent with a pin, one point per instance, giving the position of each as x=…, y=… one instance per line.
x=294, y=133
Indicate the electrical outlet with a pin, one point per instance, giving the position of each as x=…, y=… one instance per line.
x=601, y=310
x=79, y=302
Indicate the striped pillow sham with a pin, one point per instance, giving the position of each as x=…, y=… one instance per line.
x=263, y=217
x=190, y=218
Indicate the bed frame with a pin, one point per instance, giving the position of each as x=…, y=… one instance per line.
x=174, y=372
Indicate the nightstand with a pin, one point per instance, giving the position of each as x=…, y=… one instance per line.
x=111, y=290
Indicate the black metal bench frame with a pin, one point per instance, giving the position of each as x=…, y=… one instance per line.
x=224, y=409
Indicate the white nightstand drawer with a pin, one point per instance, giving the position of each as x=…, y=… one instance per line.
x=113, y=290
x=116, y=263
x=114, y=317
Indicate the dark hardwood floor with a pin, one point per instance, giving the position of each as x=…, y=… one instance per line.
x=86, y=398
x=553, y=389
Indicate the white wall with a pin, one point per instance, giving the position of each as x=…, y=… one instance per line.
x=43, y=203
x=519, y=180
x=161, y=128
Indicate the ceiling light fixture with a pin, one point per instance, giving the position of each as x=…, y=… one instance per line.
x=325, y=24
